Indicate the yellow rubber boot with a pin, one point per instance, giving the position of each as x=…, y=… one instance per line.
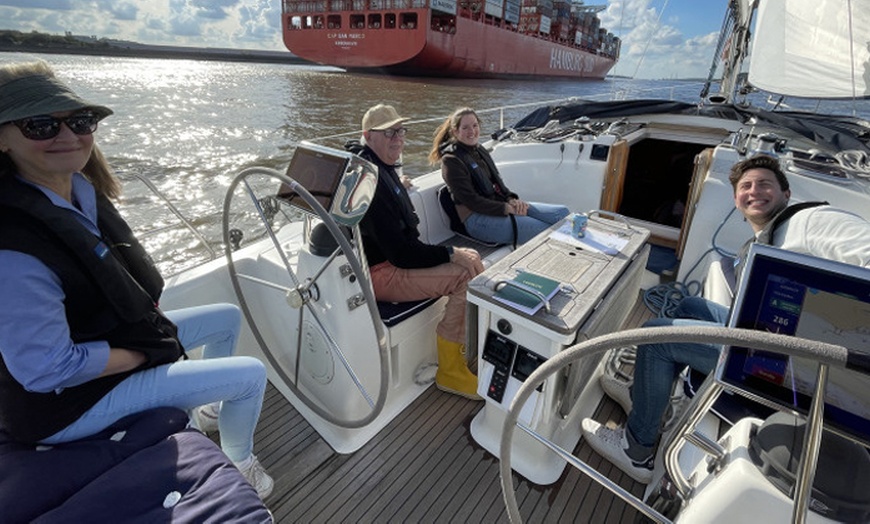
x=453, y=375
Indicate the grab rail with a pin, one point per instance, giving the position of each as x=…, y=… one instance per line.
x=184, y=221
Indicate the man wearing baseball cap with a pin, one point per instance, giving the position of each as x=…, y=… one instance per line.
x=402, y=267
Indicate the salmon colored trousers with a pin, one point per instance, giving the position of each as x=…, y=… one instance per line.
x=393, y=284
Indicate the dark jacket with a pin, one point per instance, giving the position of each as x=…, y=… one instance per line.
x=389, y=228
x=111, y=289
x=474, y=181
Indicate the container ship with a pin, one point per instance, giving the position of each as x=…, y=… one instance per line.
x=452, y=38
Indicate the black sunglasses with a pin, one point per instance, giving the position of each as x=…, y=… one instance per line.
x=45, y=127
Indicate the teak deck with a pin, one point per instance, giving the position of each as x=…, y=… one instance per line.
x=423, y=467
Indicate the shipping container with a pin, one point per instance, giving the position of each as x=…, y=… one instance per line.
x=511, y=12
x=545, y=25
x=494, y=8
x=546, y=11
x=445, y=6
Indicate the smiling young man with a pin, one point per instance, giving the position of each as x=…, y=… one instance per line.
x=402, y=267
x=760, y=191
x=761, y=194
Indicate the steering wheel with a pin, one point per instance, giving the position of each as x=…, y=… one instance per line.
x=303, y=295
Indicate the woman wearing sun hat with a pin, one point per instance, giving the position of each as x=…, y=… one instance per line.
x=82, y=340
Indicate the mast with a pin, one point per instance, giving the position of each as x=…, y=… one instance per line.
x=732, y=50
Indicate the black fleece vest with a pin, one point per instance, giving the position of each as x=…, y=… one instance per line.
x=111, y=288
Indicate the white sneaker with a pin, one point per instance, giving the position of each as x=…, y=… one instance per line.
x=617, y=389
x=611, y=444
x=256, y=476
x=206, y=417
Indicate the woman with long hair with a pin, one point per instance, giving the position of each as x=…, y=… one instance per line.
x=487, y=208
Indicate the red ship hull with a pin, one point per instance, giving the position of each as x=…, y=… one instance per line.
x=475, y=50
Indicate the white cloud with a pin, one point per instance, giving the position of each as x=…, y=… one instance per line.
x=653, y=46
x=121, y=10
x=184, y=25
x=213, y=9
x=259, y=20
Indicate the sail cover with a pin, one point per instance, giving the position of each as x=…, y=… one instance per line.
x=813, y=49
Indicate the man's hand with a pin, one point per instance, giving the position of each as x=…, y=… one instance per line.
x=406, y=181
x=518, y=207
x=469, y=259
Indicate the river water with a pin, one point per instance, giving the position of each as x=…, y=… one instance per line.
x=189, y=126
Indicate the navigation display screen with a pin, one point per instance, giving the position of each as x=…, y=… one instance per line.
x=316, y=171
x=814, y=299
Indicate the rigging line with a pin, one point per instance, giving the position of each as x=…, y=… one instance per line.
x=852, y=60
x=726, y=34
x=646, y=47
x=622, y=35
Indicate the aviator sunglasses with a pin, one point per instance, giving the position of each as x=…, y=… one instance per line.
x=45, y=127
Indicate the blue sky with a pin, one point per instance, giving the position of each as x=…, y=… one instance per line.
x=661, y=38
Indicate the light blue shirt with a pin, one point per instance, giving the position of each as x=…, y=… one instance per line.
x=34, y=335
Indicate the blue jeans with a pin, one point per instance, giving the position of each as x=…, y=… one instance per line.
x=658, y=365
x=498, y=229
x=237, y=381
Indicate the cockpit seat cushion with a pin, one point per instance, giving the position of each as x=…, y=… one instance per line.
x=144, y=468
x=456, y=225
x=393, y=313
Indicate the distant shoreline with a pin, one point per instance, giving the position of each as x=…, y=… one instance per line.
x=241, y=55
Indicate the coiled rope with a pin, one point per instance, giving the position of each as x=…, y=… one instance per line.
x=663, y=299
